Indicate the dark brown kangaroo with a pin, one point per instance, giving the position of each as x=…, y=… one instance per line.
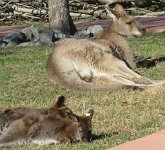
x=59, y=124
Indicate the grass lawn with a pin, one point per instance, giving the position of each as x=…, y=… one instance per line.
x=119, y=117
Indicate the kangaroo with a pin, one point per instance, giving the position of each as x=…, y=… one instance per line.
x=50, y=128
x=47, y=129
x=101, y=64
x=59, y=110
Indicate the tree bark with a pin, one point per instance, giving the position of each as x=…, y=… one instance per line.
x=59, y=17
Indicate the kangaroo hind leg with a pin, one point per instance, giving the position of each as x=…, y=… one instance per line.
x=84, y=72
x=123, y=74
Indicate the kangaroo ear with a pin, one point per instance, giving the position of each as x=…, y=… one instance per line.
x=90, y=113
x=117, y=12
x=119, y=9
x=60, y=101
x=110, y=12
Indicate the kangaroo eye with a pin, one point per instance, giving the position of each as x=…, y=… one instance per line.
x=129, y=22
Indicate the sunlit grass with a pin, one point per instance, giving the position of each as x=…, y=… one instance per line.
x=119, y=117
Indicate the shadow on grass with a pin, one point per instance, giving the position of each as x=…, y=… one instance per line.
x=148, y=62
x=102, y=136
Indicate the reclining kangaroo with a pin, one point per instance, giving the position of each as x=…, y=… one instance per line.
x=101, y=64
x=57, y=124
x=59, y=109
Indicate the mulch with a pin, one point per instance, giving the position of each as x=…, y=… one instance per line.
x=152, y=24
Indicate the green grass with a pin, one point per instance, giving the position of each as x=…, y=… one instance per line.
x=119, y=117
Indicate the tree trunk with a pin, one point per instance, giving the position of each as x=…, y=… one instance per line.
x=59, y=17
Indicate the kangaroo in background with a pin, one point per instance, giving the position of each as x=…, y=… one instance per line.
x=101, y=64
x=59, y=125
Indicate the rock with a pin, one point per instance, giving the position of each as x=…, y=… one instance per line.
x=12, y=44
x=35, y=42
x=1, y=41
x=24, y=44
x=14, y=38
x=46, y=36
x=96, y=29
x=36, y=28
x=83, y=34
x=58, y=35
x=28, y=33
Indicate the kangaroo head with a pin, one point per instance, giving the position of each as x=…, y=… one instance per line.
x=85, y=125
x=123, y=23
x=84, y=122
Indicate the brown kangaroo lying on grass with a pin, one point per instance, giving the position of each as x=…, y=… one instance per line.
x=101, y=64
x=57, y=124
x=59, y=109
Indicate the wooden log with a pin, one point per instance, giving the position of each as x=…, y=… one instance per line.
x=155, y=13
x=28, y=10
x=27, y=15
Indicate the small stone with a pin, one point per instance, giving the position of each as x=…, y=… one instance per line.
x=83, y=34
x=1, y=41
x=58, y=35
x=46, y=36
x=28, y=33
x=36, y=28
x=96, y=29
x=14, y=37
x=24, y=44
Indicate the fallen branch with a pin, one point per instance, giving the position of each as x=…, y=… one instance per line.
x=155, y=13
x=27, y=10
